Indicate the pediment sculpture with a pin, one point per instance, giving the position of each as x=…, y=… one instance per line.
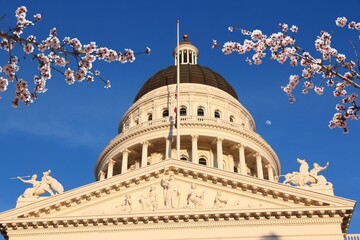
x=47, y=184
x=305, y=177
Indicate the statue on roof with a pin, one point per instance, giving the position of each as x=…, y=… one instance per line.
x=306, y=178
x=47, y=184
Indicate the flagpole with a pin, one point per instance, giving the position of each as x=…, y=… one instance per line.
x=178, y=94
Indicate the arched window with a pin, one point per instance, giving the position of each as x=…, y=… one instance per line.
x=150, y=117
x=236, y=170
x=200, y=112
x=202, y=161
x=136, y=121
x=232, y=118
x=184, y=158
x=165, y=112
x=217, y=114
x=183, y=111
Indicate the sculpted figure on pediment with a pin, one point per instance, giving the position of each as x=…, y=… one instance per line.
x=304, y=177
x=220, y=201
x=126, y=205
x=47, y=184
x=316, y=179
x=150, y=202
x=171, y=192
x=194, y=198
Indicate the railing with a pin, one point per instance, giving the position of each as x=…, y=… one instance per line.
x=352, y=237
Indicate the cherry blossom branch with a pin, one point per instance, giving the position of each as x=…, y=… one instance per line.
x=52, y=54
x=331, y=65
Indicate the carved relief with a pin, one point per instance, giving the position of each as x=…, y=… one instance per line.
x=149, y=202
x=171, y=192
x=220, y=201
x=194, y=199
x=126, y=205
x=155, y=157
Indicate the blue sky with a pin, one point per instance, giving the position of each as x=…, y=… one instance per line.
x=66, y=128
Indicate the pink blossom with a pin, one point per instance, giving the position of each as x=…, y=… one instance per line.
x=319, y=90
x=256, y=35
x=3, y=84
x=214, y=44
x=294, y=28
x=28, y=48
x=341, y=21
x=37, y=17
x=108, y=84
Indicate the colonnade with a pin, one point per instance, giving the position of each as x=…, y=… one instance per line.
x=242, y=166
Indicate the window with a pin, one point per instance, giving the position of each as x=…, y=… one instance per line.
x=200, y=112
x=232, y=118
x=190, y=56
x=217, y=114
x=183, y=111
x=202, y=161
x=236, y=170
x=149, y=117
x=165, y=113
x=184, y=158
x=185, y=56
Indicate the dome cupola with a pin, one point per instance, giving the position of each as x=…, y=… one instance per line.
x=188, y=53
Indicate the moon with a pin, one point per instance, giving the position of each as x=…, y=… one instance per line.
x=268, y=122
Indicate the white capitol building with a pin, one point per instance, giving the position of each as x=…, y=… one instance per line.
x=221, y=182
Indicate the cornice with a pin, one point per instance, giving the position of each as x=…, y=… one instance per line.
x=178, y=220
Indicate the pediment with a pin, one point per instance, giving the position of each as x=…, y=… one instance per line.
x=177, y=187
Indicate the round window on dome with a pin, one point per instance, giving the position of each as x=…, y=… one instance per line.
x=200, y=112
x=150, y=118
x=165, y=112
x=183, y=111
x=202, y=161
x=217, y=114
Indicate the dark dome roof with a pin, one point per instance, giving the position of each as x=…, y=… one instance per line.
x=188, y=74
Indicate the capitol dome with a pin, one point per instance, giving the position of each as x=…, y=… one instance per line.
x=215, y=129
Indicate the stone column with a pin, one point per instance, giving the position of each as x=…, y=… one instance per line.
x=101, y=176
x=194, y=149
x=144, y=153
x=270, y=172
x=242, y=161
x=110, y=169
x=219, y=153
x=259, y=168
x=167, y=148
x=124, y=164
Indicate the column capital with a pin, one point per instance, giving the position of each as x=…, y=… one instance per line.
x=219, y=139
x=268, y=166
x=145, y=143
x=112, y=161
x=240, y=145
x=125, y=152
x=257, y=155
x=194, y=137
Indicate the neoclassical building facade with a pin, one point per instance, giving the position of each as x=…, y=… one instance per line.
x=223, y=183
